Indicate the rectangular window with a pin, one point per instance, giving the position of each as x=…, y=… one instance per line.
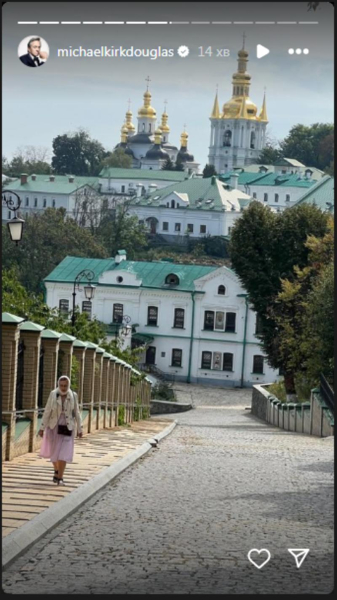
x=190, y=227
x=287, y=198
x=254, y=195
x=179, y=317
x=209, y=320
x=165, y=226
x=35, y=202
x=230, y=322
x=258, y=364
x=9, y=214
x=152, y=315
x=64, y=306
x=54, y=203
x=229, y=230
x=206, y=360
x=123, y=189
x=258, y=325
x=227, y=362
x=44, y=202
x=217, y=361
x=265, y=197
x=276, y=197
x=117, y=315
x=177, y=227
x=86, y=307
x=219, y=320
x=27, y=201
x=202, y=228
x=176, y=357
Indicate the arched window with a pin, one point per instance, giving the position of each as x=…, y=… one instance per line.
x=227, y=138
x=221, y=290
x=150, y=128
x=172, y=279
x=164, y=138
x=143, y=127
x=252, y=139
x=173, y=204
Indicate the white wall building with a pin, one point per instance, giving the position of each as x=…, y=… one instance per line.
x=196, y=206
x=194, y=319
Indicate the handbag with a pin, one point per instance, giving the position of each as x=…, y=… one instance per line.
x=63, y=430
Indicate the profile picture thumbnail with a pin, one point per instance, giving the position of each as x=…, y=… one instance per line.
x=33, y=51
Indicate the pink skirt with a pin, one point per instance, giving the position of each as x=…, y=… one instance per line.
x=56, y=446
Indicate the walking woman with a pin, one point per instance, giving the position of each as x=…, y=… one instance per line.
x=61, y=415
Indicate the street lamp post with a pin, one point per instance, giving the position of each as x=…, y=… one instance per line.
x=15, y=225
x=89, y=290
x=123, y=329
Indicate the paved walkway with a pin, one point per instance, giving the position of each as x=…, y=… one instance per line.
x=183, y=518
x=27, y=487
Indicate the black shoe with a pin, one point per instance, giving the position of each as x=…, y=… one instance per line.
x=55, y=479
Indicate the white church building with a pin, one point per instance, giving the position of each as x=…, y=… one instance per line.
x=194, y=321
x=238, y=132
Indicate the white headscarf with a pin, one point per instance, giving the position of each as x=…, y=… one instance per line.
x=58, y=384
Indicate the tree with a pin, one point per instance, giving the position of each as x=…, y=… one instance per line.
x=179, y=165
x=269, y=155
x=304, y=316
x=90, y=207
x=273, y=243
x=168, y=165
x=208, y=171
x=119, y=230
x=308, y=144
x=47, y=239
x=77, y=154
x=118, y=159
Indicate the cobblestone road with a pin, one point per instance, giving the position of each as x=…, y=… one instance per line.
x=183, y=518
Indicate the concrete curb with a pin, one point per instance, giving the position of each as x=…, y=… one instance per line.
x=17, y=542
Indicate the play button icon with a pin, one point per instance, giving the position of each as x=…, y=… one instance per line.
x=261, y=51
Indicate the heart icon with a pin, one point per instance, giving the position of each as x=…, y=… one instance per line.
x=257, y=552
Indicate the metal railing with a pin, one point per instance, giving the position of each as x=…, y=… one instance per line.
x=327, y=393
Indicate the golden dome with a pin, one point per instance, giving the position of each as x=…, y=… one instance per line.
x=240, y=105
x=147, y=110
x=124, y=133
x=232, y=108
x=164, y=127
x=157, y=136
x=184, y=139
x=130, y=126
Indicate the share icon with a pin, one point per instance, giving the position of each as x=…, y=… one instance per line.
x=299, y=555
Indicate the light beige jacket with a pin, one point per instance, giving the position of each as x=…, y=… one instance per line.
x=53, y=409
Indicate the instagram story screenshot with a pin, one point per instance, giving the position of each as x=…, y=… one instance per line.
x=167, y=298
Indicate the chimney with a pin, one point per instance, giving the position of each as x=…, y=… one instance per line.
x=308, y=173
x=51, y=177
x=152, y=187
x=23, y=178
x=120, y=256
x=33, y=177
x=71, y=179
x=233, y=181
x=139, y=189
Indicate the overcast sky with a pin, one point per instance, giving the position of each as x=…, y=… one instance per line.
x=68, y=93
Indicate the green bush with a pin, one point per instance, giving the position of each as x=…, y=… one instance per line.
x=121, y=415
x=162, y=391
x=303, y=389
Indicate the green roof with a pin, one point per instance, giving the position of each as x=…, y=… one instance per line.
x=202, y=194
x=152, y=274
x=30, y=326
x=60, y=185
x=272, y=179
x=115, y=173
x=65, y=337
x=100, y=350
x=11, y=319
x=143, y=338
x=79, y=344
x=321, y=194
x=50, y=334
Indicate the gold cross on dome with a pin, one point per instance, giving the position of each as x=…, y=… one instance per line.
x=129, y=104
x=148, y=81
x=165, y=104
x=243, y=40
